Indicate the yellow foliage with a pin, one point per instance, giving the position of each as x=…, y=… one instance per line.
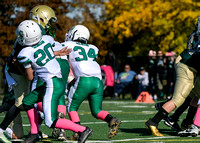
x=161, y=25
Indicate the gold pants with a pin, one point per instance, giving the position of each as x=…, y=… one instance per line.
x=185, y=80
x=20, y=90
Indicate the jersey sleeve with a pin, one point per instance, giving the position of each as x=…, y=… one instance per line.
x=24, y=57
x=66, y=44
x=55, y=45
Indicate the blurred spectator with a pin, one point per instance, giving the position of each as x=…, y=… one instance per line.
x=108, y=80
x=123, y=80
x=170, y=73
x=111, y=61
x=143, y=80
x=161, y=74
x=152, y=70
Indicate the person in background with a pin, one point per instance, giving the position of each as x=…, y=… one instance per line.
x=123, y=80
x=170, y=73
x=143, y=80
x=152, y=70
x=161, y=74
x=111, y=61
x=108, y=79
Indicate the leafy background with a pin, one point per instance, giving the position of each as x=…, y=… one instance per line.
x=128, y=27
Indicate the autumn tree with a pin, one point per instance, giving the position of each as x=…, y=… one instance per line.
x=136, y=26
x=14, y=12
x=128, y=27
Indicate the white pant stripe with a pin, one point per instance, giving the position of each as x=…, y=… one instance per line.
x=71, y=93
x=47, y=103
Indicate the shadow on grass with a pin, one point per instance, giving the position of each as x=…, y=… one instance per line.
x=146, y=132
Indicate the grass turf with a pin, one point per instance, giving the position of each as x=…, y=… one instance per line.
x=132, y=130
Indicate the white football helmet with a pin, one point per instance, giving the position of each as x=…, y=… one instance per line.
x=78, y=33
x=28, y=33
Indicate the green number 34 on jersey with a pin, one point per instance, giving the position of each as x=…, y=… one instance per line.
x=83, y=56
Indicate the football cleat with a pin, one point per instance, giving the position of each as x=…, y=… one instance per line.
x=32, y=138
x=62, y=135
x=192, y=131
x=55, y=133
x=185, y=125
x=84, y=135
x=42, y=135
x=74, y=137
x=114, y=125
x=153, y=128
x=3, y=138
x=174, y=125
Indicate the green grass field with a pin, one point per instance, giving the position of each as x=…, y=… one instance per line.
x=132, y=130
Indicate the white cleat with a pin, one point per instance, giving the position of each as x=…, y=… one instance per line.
x=192, y=131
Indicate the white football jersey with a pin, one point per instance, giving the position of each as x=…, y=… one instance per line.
x=83, y=59
x=41, y=58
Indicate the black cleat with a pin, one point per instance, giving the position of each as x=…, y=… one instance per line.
x=185, y=125
x=32, y=138
x=84, y=135
x=173, y=124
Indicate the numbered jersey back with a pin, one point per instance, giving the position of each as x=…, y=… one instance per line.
x=42, y=59
x=83, y=59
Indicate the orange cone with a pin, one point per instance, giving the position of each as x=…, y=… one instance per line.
x=144, y=97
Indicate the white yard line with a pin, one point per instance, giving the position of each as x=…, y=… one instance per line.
x=88, y=123
x=134, y=106
x=127, y=140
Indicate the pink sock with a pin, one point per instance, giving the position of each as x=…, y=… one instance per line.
x=33, y=119
x=73, y=115
x=69, y=125
x=102, y=115
x=39, y=106
x=197, y=118
x=62, y=109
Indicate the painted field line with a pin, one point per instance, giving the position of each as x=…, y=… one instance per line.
x=88, y=123
x=134, y=106
x=121, y=102
x=127, y=140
